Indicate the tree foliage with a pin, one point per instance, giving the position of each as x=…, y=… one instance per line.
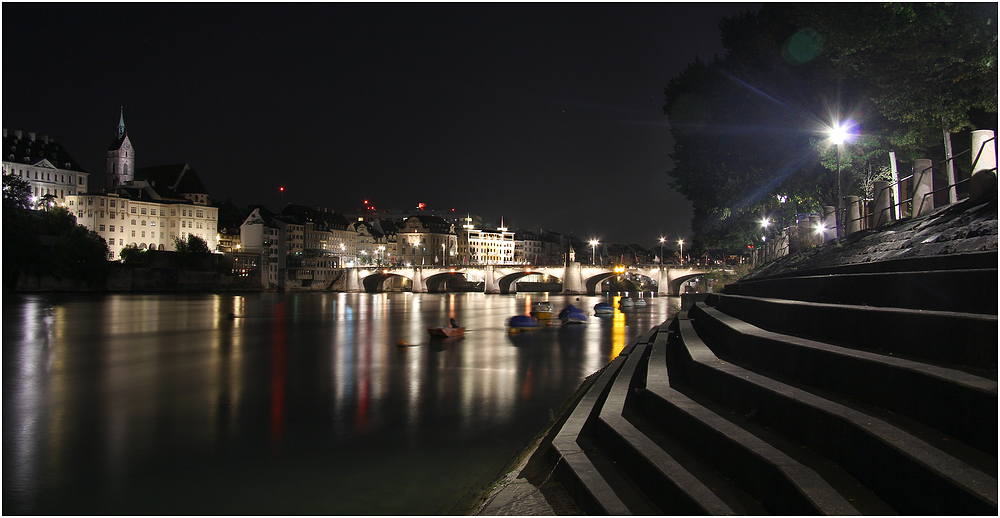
x=750, y=125
x=50, y=243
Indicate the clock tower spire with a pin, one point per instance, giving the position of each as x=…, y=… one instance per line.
x=121, y=158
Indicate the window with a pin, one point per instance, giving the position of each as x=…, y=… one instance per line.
x=173, y=212
x=152, y=223
x=133, y=222
x=143, y=233
x=143, y=223
x=111, y=228
x=81, y=181
x=111, y=241
x=142, y=210
x=111, y=203
x=163, y=212
x=90, y=201
x=173, y=223
x=112, y=214
x=132, y=210
x=200, y=214
x=101, y=214
x=70, y=203
x=102, y=202
x=133, y=233
x=183, y=224
x=100, y=228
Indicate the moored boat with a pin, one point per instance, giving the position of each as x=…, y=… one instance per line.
x=445, y=331
x=625, y=302
x=639, y=303
x=541, y=310
x=572, y=315
x=604, y=308
x=519, y=323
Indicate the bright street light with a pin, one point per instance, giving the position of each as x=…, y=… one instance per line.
x=661, y=250
x=838, y=135
x=681, y=242
x=593, y=252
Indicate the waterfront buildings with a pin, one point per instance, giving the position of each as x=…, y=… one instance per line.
x=50, y=171
x=146, y=208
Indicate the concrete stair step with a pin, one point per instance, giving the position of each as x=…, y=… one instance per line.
x=968, y=290
x=964, y=340
x=905, y=472
x=960, y=404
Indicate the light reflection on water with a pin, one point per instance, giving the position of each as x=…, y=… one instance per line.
x=295, y=404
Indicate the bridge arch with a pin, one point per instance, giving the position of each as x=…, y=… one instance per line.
x=438, y=283
x=375, y=282
x=507, y=281
x=592, y=283
x=674, y=288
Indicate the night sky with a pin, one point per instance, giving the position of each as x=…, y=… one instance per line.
x=549, y=115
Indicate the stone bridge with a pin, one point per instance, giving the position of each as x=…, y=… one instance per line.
x=576, y=279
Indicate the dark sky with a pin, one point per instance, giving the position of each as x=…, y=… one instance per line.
x=549, y=115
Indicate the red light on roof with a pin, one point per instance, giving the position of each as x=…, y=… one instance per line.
x=282, y=188
x=421, y=205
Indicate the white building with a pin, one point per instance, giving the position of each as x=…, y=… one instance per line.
x=477, y=246
x=148, y=208
x=45, y=165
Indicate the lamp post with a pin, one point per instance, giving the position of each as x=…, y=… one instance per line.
x=661, y=250
x=593, y=252
x=838, y=134
x=681, y=242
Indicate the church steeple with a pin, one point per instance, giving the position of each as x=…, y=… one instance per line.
x=121, y=159
x=121, y=124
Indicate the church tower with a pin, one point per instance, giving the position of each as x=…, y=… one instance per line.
x=121, y=159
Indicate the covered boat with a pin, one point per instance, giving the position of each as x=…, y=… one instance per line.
x=604, y=308
x=572, y=315
x=625, y=302
x=518, y=323
x=639, y=303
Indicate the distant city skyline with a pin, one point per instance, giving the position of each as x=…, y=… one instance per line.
x=548, y=115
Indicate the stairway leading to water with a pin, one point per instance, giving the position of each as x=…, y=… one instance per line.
x=862, y=389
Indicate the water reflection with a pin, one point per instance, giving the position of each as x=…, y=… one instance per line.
x=280, y=403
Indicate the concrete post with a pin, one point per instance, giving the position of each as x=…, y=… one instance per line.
x=852, y=222
x=984, y=165
x=883, y=214
x=923, y=179
x=353, y=283
x=805, y=234
x=817, y=238
x=830, y=222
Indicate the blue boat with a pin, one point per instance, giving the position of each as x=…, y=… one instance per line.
x=518, y=323
x=604, y=308
x=572, y=315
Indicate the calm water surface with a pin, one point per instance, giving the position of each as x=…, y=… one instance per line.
x=301, y=404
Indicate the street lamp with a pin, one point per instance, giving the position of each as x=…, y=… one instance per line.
x=681, y=242
x=838, y=134
x=593, y=252
x=661, y=250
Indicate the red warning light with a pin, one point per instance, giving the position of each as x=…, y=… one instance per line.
x=421, y=205
x=282, y=188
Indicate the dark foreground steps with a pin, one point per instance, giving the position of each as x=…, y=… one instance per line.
x=728, y=409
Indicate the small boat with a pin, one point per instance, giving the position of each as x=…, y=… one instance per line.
x=625, y=302
x=518, y=323
x=639, y=303
x=604, y=308
x=572, y=315
x=541, y=310
x=445, y=331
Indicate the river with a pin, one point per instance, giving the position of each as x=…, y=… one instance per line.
x=278, y=404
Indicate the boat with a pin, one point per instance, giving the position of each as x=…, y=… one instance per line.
x=572, y=315
x=518, y=323
x=445, y=331
x=541, y=310
x=625, y=302
x=604, y=308
x=639, y=303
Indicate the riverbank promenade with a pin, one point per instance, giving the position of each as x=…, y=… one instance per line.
x=853, y=378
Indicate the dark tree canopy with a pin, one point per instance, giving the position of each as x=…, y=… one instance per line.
x=751, y=125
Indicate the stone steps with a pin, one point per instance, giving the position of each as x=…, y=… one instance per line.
x=714, y=414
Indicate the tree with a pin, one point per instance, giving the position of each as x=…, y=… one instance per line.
x=16, y=192
x=134, y=256
x=749, y=126
x=50, y=243
x=190, y=252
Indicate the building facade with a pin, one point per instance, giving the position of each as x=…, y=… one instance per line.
x=51, y=173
